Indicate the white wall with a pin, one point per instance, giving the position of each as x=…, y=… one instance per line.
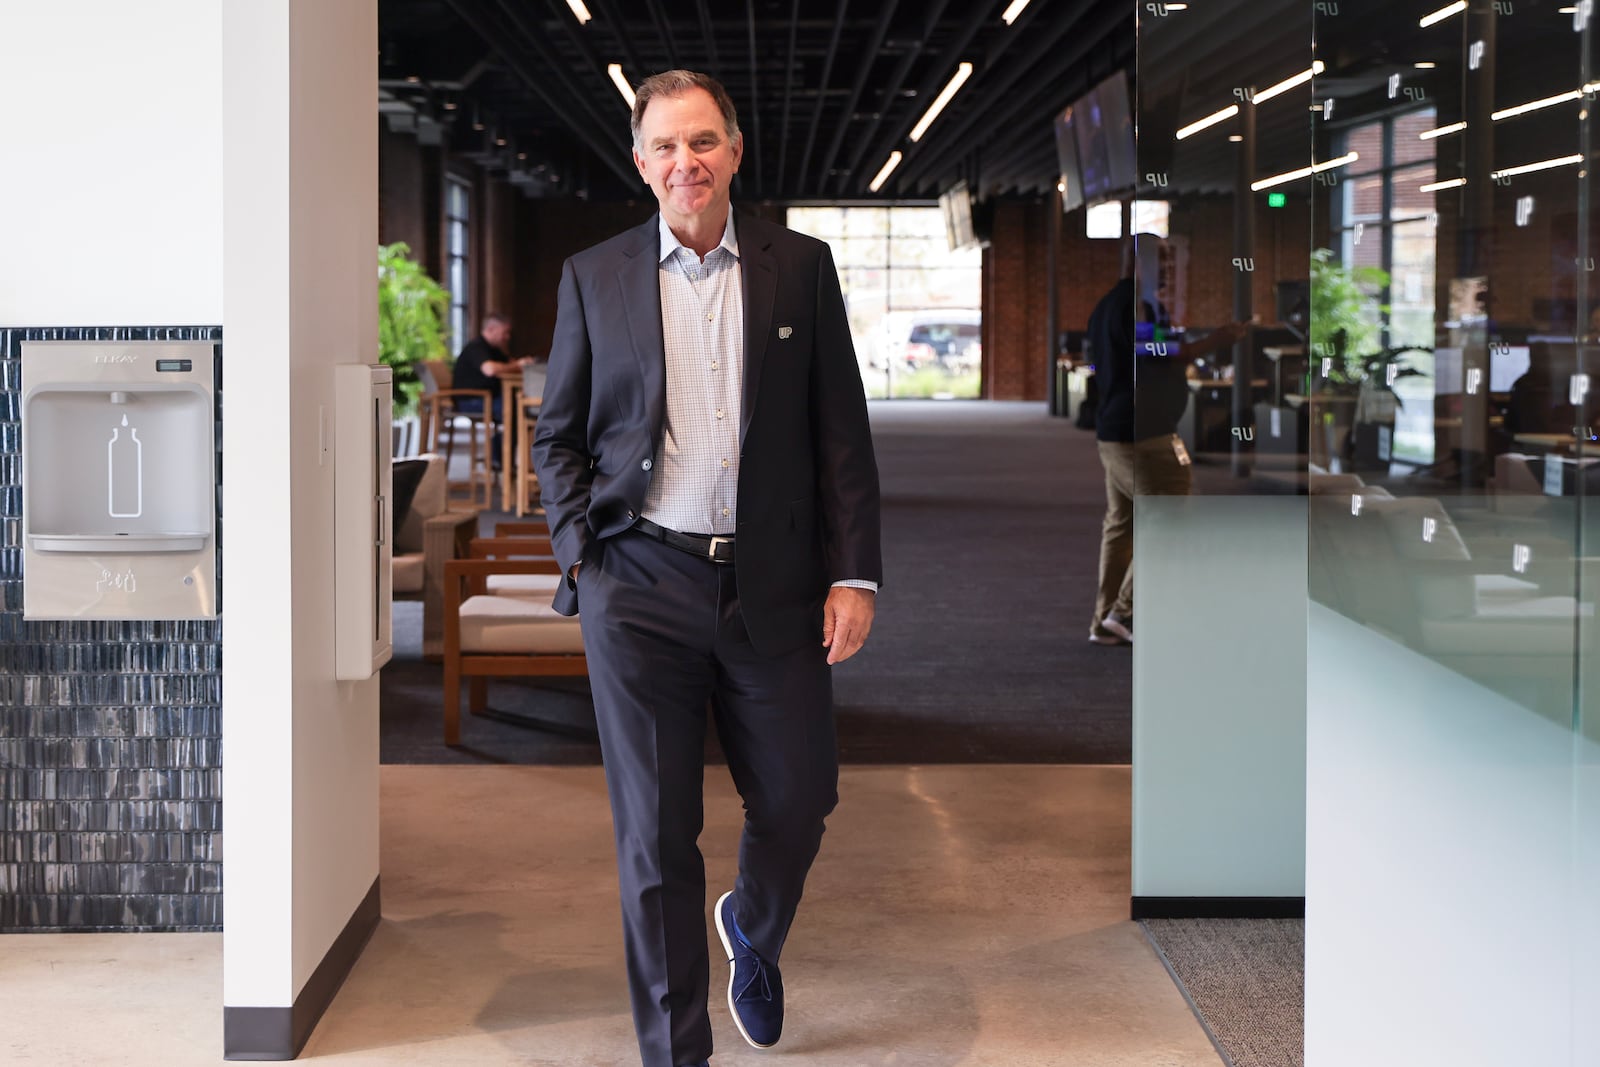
x=1451, y=907
x=300, y=792
x=189, y=162
x=1219, y=696
x=111, y=192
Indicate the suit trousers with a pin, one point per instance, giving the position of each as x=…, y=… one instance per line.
x=1145, y=468
x=666, y=641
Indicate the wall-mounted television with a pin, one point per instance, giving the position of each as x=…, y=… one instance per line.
x=1102, y=127
x=1067, y=156
x=956, y=204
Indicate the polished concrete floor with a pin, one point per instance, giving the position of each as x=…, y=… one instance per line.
x=957, y=915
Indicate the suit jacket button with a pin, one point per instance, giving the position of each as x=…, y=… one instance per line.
x=646, y=465
x=630, y=515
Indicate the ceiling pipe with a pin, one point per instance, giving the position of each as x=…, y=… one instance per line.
x=998, y=80
x=709, y=35
x=879, y=31
x=493, y=34
x=938, y=77
x=664, y=29
x=755, y=100
x=822, y=93
x=788, y=91
x=890, y=93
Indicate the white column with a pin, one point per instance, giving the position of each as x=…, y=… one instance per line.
x=299, y=296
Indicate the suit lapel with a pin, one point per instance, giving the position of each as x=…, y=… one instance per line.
x=760, y=275
x=641, y=300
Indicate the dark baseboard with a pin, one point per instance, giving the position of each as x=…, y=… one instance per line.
x=280, y=1033
x=1219, y=907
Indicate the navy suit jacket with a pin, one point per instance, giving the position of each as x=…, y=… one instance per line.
x=808, y=480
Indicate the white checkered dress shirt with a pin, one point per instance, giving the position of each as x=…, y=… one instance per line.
x=695, y=485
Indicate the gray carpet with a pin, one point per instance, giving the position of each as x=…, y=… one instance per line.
x=979, y=654
x=1246, y=980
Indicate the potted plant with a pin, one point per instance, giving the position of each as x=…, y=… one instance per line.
x=1355, y=398
x=412, y=311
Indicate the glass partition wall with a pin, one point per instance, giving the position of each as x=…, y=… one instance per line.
x=1396, y=196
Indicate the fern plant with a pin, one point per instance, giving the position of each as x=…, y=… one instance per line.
x=412, y=311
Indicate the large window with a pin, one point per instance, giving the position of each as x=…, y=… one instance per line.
x=1386, y=219
x=914, y=305
x=458, y=272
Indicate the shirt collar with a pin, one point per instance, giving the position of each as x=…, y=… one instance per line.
x=670, y=243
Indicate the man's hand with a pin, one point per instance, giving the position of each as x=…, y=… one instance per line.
x=846, y=621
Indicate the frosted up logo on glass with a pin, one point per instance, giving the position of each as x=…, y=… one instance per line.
x=125, y=472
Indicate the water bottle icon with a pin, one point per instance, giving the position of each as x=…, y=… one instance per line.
x=125, y=472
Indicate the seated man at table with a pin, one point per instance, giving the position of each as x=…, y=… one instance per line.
x=482, y=363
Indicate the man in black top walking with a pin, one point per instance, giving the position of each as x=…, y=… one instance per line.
x=1137, y=433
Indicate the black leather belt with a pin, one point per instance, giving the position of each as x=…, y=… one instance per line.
x=717, y=549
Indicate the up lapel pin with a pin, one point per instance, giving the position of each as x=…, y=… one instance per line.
x=785, y=332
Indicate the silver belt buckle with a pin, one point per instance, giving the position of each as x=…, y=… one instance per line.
x=711, y=551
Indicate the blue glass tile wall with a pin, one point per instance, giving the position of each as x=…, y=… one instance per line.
x=110, y=735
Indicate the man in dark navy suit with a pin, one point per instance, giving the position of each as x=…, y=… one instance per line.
x=707, y=469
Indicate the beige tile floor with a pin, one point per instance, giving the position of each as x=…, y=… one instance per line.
x=957, y=916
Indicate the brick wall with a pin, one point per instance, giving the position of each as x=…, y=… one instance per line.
x=548, y=231
x=110, y=737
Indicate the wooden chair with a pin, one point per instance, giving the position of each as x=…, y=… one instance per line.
x=489, y=635
x=526, y=488
x=442, y=418
x=430, y=535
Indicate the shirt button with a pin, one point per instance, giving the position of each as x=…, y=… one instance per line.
x=724, y=511
x=713, y=364
x=724, y=463
x=719, y=413
x=646, y=465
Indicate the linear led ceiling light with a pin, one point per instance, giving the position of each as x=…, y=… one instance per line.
x=1010, y=14
x=1544, y=164
x=1443, y=13
x=1451, y=183
x=615, y=70
x=1454, y=127
x=888, y=168
x=1535, y=105
x=1210, y=120
x=1289, y=83
x=579, y=10
x=963, y=72
x=1304, y=172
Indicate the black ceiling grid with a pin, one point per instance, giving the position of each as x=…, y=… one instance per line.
x=827, y=89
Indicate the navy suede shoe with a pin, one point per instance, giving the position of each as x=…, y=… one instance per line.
x=755, y=988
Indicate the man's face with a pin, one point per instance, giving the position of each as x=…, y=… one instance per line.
x=686, y=157
x=497, y=334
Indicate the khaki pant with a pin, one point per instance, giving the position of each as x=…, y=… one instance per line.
x=1144, y=468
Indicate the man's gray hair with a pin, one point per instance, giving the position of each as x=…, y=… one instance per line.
x=675, y=83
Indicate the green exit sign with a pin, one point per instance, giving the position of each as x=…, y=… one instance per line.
x=1277, y=199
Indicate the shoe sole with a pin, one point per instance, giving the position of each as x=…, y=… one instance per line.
x=1111, y=626
x=727, y=947
x=1108, y=639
